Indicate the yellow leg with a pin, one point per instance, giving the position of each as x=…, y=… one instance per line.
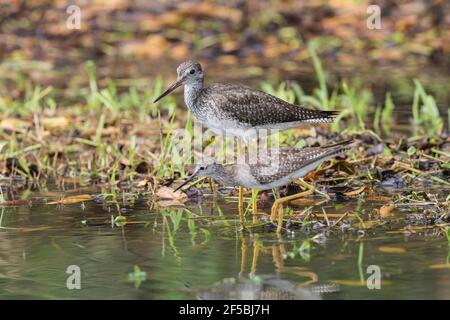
x=277, y=257
x=275, y=212
x=244, y=248
x=306, y=185
x=255, y=258
x=241, y=205
x=255, y=205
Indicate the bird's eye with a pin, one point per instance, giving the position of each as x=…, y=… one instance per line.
x=201, y=168
x=192, y=71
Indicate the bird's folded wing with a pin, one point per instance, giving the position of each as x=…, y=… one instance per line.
x=256, y=108
x=284, y=162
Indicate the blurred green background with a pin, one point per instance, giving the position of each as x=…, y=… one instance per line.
x=240, y=41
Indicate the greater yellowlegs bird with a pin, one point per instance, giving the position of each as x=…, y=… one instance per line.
x=236, y=110
x=273, y=170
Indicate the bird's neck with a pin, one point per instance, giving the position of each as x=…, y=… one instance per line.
x=226, y=176
x=191, y=92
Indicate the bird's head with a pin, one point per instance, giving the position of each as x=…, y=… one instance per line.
x=207, y=169
x=189, y=72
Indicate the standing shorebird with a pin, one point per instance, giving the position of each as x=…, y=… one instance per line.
x=272, y=171
x=239, y=111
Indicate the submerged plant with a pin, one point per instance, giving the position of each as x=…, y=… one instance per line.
x=305, y=250
x=137, y=276
x=383, y=118
x=447, y=234
x=427, y=119
x=354, y=103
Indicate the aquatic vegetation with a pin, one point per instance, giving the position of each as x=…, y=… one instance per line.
x=361, y=261
x=355, y=104
x=383, y=118
x=137, y=276
x=109, y=101
x=305, y=250
x=89, y=165
x=122, y=141
x=31, y=103
x=427, y=119
x=447, y=234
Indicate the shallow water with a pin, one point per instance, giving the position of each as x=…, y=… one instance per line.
x=201, y=253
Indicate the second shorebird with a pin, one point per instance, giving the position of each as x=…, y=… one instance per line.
x=273, y=170
x=237, y=110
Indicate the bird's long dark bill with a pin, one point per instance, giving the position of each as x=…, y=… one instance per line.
x=169, y=89
x=187, y=181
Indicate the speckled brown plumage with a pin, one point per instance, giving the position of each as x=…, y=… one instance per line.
x=288, y=161
x=253, y=108
x=271, y=170
x=237, y=110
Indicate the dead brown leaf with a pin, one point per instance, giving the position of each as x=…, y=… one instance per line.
x=371, y=195
x=73, y=199
x=397, y=250
x=55, y=123
x=355, y=192
x=142, y=183
x=386, y=211
x=440, y=266
x=167, y=193
x=12, y=124
x=15, y=203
